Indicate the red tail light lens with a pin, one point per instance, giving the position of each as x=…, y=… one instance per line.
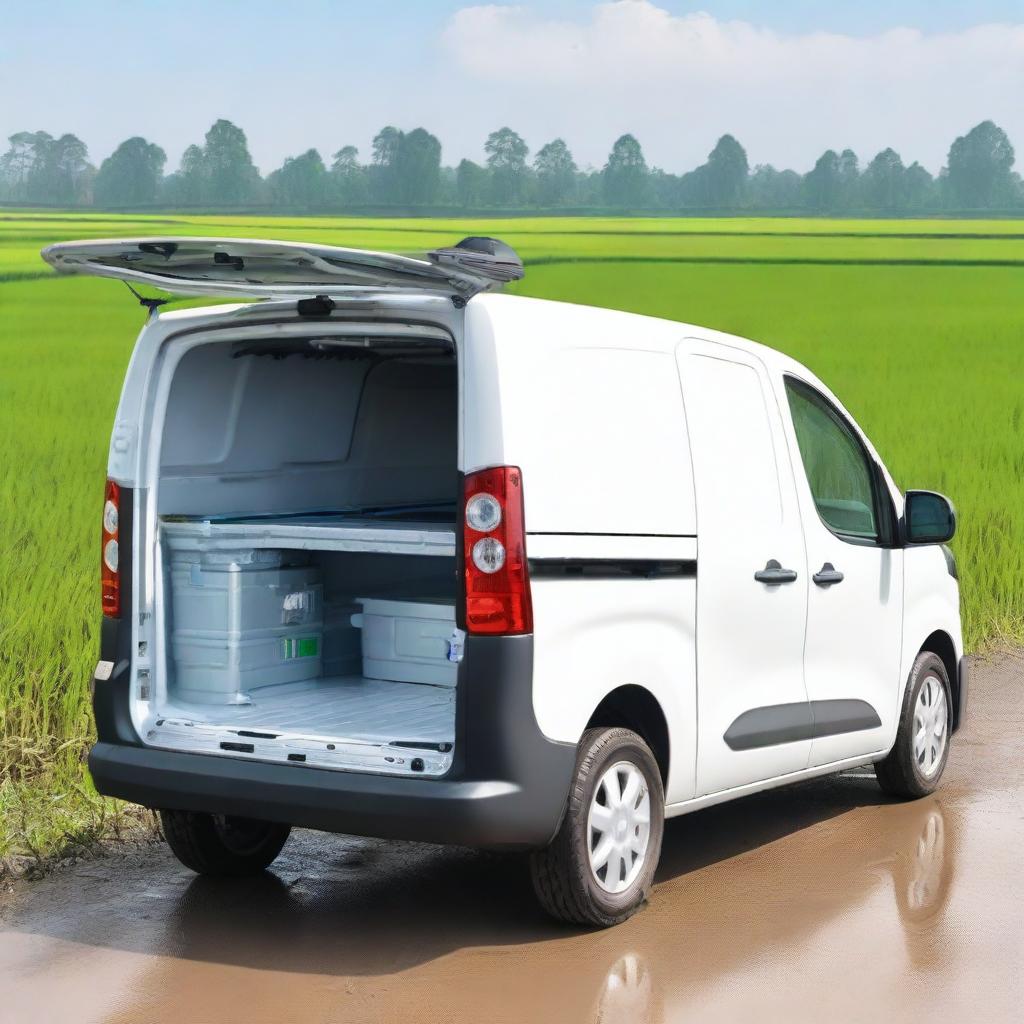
x=494, y=542
x=110, y=555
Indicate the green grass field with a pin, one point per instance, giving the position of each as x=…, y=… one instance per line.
x=915, y=324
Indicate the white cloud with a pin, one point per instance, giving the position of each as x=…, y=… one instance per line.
x=679, y=81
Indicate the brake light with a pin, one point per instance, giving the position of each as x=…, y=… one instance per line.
x=497, y=579
x=110, y=561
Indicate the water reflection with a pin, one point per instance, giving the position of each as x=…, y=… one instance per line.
x=754, y=901
x=744, y=924
x=922, y=879
x=627, y=994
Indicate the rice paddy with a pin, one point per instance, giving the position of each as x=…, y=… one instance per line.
x=917, y=326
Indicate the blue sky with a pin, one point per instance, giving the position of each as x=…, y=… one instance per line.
x=788, y=78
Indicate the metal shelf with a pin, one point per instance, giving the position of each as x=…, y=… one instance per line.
x=315, y=533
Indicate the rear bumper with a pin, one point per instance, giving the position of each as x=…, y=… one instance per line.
x=466, y=813
x=507, y=788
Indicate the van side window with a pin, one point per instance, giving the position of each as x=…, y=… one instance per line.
x=836, y=464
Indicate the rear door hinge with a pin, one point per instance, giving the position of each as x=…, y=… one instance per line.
x=151, y=304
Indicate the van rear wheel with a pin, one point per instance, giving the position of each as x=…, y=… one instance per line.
x=599, y=868
x=218, y=844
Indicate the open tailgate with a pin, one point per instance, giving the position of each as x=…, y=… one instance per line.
x=262, y=269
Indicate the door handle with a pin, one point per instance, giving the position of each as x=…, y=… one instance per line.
x=827, y=575
x=773, y=574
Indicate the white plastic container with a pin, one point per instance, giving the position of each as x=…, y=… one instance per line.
x=240, y=622
x=409, y=641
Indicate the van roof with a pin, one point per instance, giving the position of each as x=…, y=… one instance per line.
x=519, y=320
x=530, y=318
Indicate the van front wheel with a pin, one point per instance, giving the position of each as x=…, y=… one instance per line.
x=599, y=868
x=915, y=764
x=218, y=844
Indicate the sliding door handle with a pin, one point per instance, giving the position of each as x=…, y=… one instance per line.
x=773, y=574
x=827, y=575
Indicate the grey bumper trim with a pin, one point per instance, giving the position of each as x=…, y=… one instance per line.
x=962, y=690
x=801, y=720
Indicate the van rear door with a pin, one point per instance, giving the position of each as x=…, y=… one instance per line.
x=265, y=269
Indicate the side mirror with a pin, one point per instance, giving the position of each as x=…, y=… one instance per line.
x=928, y=518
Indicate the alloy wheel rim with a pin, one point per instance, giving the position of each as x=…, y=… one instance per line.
x=619, y=827
x=931, y=721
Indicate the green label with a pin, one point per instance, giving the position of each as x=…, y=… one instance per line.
x=300, y=647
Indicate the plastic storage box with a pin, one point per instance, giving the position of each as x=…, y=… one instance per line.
x=242, y=620
x=408, y=641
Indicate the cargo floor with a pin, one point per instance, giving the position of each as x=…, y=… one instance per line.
x=353, y=707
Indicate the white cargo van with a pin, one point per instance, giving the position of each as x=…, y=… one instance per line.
x=388, y=554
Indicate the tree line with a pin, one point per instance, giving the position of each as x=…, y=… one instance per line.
x=405, y=173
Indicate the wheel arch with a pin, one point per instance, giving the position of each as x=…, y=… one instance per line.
x=634, y=707
x=941, y=644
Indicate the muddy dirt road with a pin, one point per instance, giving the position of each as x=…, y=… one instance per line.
x=822, y=902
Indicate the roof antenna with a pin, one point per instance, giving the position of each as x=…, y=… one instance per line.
x=151, y=304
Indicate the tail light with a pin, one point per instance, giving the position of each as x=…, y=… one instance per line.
x=110, y=571
x=494, y=542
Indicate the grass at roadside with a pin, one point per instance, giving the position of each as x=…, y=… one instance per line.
x=63, y=349
x=56, y=816
x=928, y=357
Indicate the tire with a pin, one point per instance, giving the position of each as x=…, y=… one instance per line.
x=221, y=845
x=910, y=771
x=566, y=884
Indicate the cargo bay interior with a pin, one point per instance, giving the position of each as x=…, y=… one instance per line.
x=306, y=551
